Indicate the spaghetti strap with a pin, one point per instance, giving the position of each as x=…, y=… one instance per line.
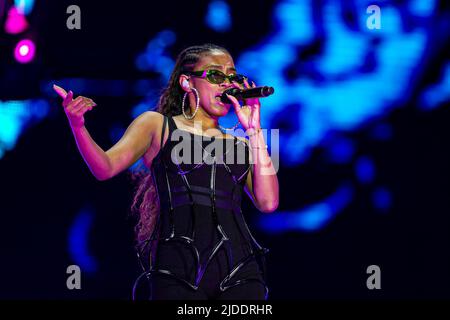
x=172, y=124
x=163, y=132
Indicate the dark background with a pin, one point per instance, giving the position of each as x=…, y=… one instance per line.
x=45, y=183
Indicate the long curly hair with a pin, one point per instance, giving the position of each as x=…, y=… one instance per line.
x=146, y=202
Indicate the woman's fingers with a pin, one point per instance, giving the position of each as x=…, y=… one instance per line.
x=74, y=108
x=234, y=101
x=78, y=107
x=69, y=102
x=246, y=83
x=236, y=104
x=60, y=91
x=83, y=109
x=92, y=102
x=83, y=105
x=236, y=85
x=67, y=99
x=250, y=101
x=73, y=104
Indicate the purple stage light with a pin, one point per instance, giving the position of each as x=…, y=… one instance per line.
x=24, y=51
x=16, y=21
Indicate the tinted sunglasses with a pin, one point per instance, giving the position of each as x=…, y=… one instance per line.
x=218, y=77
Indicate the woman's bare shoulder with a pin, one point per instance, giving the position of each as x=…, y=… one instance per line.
x=151, y=116
x=152, y=120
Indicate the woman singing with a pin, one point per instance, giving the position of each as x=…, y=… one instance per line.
x=192, y=239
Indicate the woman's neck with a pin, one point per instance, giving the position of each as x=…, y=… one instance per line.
x=202, y=121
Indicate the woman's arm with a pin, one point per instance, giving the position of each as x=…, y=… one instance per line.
x=262, y=182
x=133, y=144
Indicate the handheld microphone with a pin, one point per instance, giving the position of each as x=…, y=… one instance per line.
x=242, y=94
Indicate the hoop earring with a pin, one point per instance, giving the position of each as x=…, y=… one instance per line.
x=196, y=108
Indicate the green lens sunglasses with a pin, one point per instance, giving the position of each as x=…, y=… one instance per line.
x=218, y=77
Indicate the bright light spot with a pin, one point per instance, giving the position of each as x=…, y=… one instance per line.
x=422, y=8
x=15, y=117
x=218, y=17
x=15, y=22
x=24, y=51
x=25, y=6
x=156, y=58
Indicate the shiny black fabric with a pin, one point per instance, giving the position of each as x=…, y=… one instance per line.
x=201, y=247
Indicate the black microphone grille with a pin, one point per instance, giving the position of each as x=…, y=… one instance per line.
x=267, y=91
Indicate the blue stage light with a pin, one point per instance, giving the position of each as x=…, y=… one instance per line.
x=382, y=199
x=365, y=170
x=78, y=241
x=312, y=217
x=15, y=117
x=218, y=16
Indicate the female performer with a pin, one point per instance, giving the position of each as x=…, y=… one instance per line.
x=192, y=240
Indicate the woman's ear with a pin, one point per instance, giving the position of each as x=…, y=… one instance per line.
x=184, y=83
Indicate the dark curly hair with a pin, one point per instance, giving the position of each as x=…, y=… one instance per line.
x=145, y=202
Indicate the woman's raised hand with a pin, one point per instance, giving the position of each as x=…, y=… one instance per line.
x=248, y=114
x=74, y=108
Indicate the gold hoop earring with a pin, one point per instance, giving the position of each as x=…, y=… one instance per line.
x=196, y=108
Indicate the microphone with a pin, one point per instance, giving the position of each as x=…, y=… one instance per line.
x=242, y=94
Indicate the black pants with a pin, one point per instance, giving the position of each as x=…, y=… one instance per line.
x=164, y=287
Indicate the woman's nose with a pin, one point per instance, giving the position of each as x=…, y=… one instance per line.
x=228, y=84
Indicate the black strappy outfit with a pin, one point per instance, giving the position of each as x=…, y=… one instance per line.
x=204, y=249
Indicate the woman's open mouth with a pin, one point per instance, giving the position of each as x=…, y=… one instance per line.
x=219, y=100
